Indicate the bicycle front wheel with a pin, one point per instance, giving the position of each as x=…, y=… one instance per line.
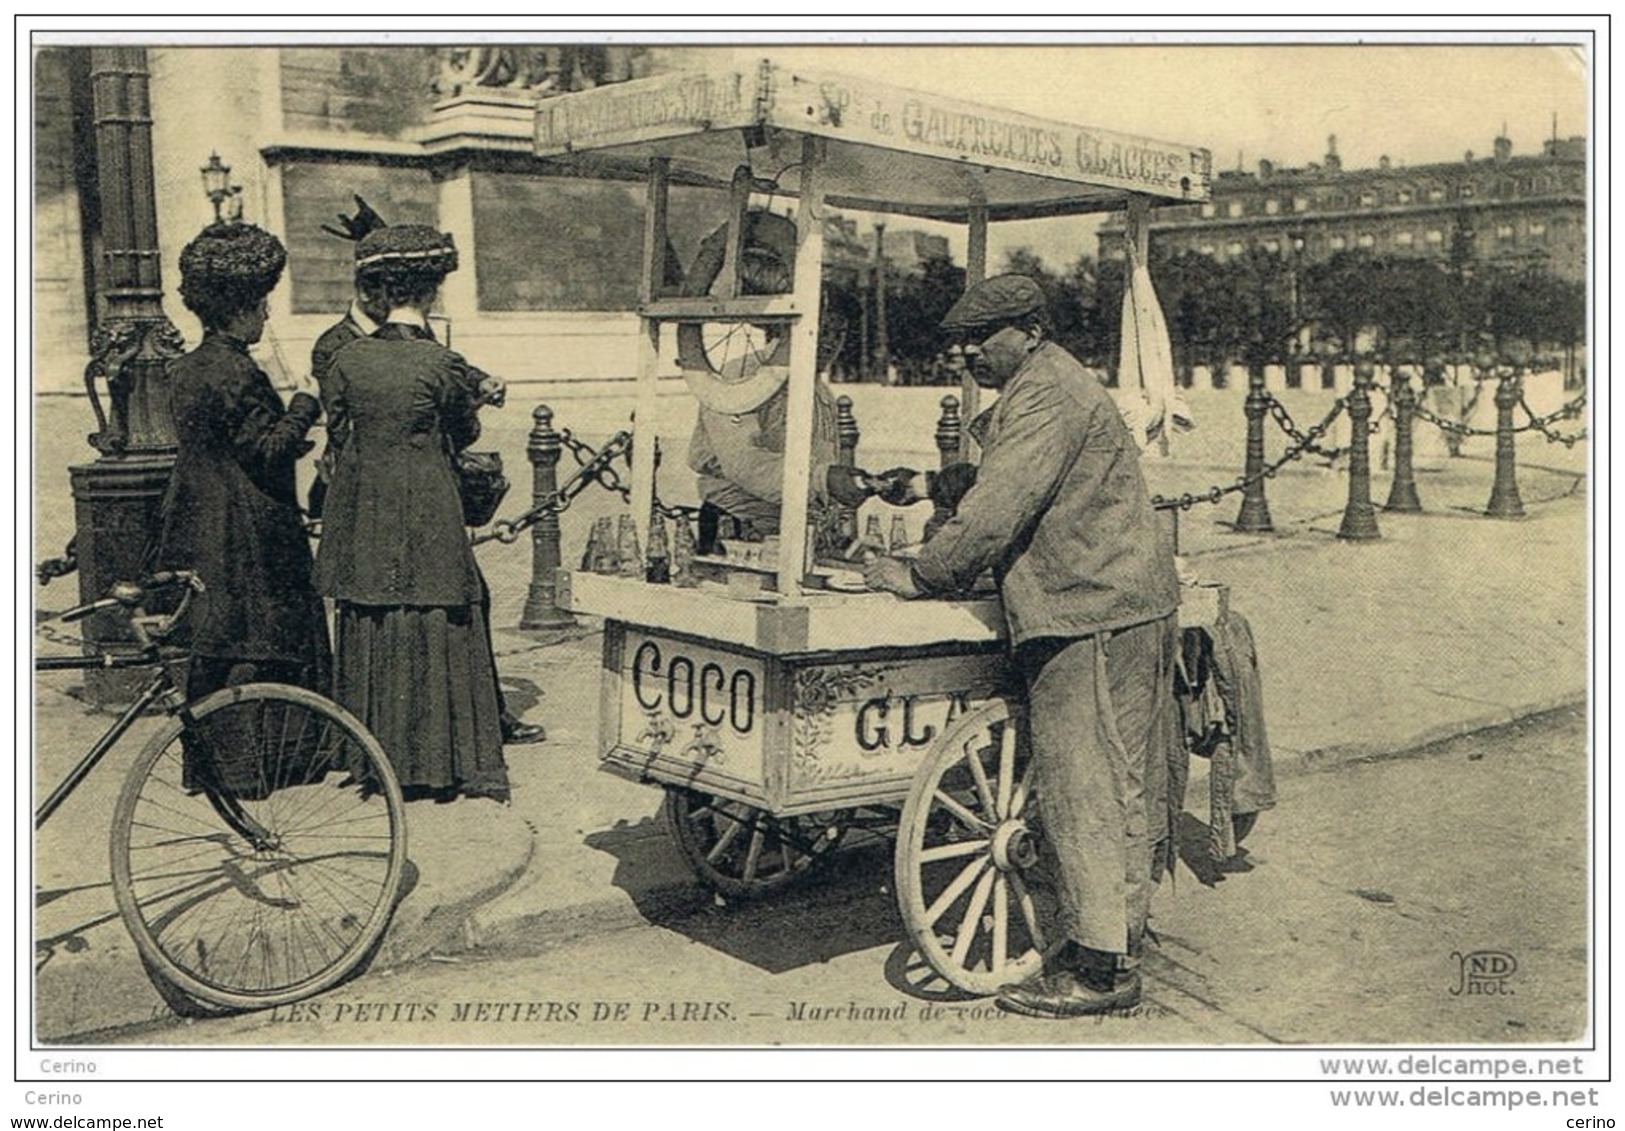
x=258, y=846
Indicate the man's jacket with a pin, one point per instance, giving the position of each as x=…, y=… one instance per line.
x=1060, y=512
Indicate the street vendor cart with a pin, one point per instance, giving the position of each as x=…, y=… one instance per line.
x=777, y=706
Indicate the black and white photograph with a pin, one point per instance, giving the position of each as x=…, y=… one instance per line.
x=655, y=553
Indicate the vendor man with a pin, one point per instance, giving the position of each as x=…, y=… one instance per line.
x=1061, y=514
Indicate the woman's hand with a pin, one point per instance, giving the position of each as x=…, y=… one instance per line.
x=492, y=391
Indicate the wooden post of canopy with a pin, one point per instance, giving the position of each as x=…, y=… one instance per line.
x=970, y=393
x=795, y=543
x=654, y=264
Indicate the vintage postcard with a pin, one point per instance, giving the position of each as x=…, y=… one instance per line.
x=661, y=543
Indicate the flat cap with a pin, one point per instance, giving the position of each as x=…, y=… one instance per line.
x=1003, y=298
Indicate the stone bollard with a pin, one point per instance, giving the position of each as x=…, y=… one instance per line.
x=1254, y=516
x=1504, y=499
x=949, y=428
x=846, y=449
x=1402, y=494
x=543, y=450
x=1359, y=517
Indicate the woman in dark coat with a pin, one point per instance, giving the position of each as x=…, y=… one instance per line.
x=412, y=659
x=230, y=512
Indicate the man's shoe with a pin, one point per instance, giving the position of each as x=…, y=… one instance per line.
x=1068, y=993
x=517, y=733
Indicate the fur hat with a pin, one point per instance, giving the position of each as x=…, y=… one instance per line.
x=229, y=266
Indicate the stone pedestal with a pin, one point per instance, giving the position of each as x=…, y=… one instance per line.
x=116, y=504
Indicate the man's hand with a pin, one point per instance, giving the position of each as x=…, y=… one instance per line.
x=492, y=391
x=902, y=486
x=891, y=575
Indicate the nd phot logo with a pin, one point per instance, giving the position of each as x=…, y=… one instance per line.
x=1483, y=972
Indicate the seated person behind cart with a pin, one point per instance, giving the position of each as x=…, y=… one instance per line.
x=738, y=444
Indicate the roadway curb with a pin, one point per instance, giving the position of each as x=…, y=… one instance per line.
x=535, y=931
x=1340, y=754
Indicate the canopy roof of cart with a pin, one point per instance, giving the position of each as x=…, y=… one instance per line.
x=887, y=149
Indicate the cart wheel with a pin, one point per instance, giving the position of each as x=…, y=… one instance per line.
x=969, y=885
x=743, y=852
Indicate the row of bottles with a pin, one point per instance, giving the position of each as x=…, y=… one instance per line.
x=612, y=549
x=874, y=543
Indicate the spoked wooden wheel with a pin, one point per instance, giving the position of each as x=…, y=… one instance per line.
x=744, y=852
x=969, y=885
x=736, y=352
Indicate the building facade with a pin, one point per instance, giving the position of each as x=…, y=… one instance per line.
x=1502, y=211
x=426, y=134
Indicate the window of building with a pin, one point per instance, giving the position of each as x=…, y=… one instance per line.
x=1503, y=231
x=1206, y=249
x=1435, y=236
x=1272, y=246
x=1209, y=210
x=1300, y=204
x=1233, y=248
x=1338, y=243
x=1405, y=239
x=1272, y=206
x=1435, y=193
x=1536, y=228
x=1234, y=208
x=1367, y=240
x=1466, y=191
x=1368, y=200
x=1405, y=196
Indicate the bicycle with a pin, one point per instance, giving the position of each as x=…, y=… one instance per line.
x=258, y=845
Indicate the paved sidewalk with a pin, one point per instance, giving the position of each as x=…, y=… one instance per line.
x=1449, y=623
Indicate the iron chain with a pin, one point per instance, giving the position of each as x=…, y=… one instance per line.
x=1303, y=442
x=1543, y=424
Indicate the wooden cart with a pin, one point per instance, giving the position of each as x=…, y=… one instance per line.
x=777, y=714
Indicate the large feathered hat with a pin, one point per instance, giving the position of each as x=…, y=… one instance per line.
x=407, y=247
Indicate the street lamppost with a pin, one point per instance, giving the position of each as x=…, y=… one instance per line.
x=226, y=197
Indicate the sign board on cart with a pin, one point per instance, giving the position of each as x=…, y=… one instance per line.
x=864, y=114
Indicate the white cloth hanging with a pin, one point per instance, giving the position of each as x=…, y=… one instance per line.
x=1147, y=395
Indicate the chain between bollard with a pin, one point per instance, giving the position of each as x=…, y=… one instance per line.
x=1309, y=441
x=1304, y=442
x=1536, y=423
x=1543, y=424
x=592, y=467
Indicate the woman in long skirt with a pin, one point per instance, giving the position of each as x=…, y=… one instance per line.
x=411, y=658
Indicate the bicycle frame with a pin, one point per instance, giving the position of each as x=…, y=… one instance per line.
x=154, y=692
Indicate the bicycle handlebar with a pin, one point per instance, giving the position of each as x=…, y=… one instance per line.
x=132, y=595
